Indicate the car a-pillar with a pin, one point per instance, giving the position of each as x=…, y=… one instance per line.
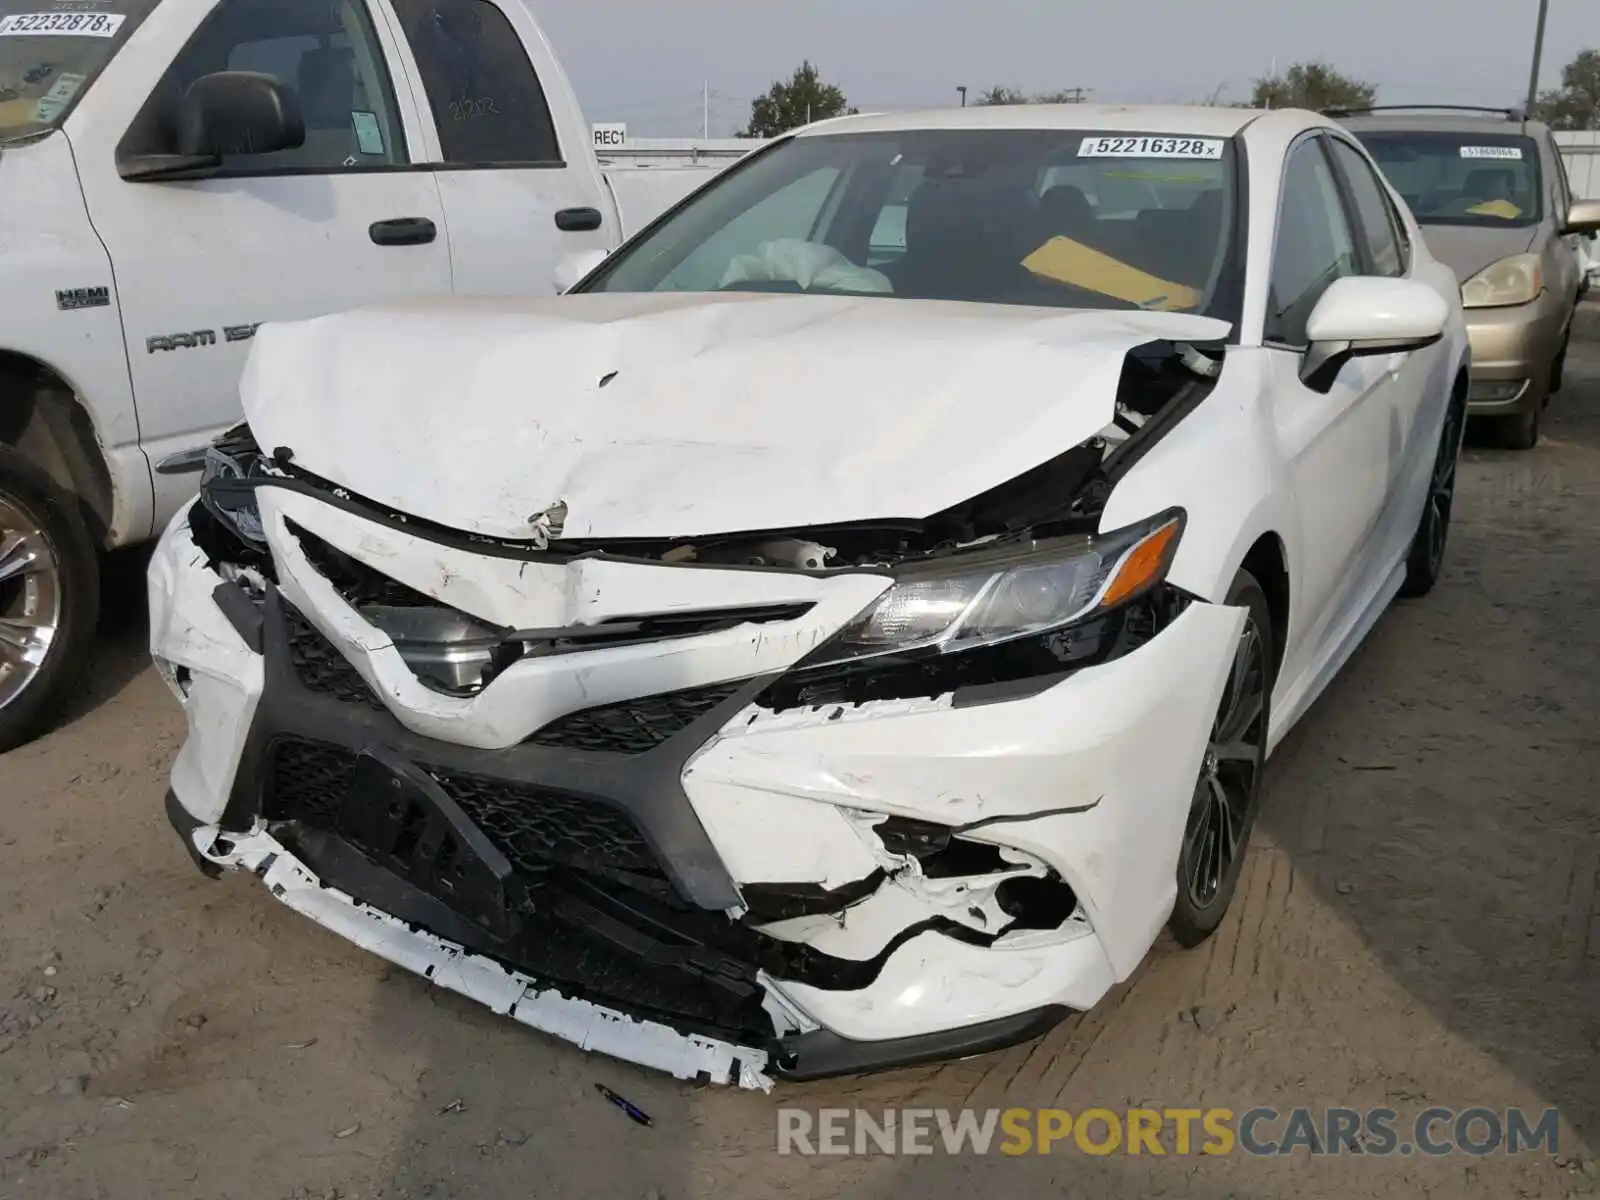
x=55, y=508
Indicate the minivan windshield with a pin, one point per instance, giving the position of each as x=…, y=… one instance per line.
x=1066, y=218
x=1486, y=179
x=51, y=50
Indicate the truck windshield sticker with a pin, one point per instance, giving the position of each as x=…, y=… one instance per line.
x=62, y=24
x=369, y=135
x=1491, y=152
x=58, y=97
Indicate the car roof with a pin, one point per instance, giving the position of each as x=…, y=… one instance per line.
x=1439, y=122
x=1194, y=120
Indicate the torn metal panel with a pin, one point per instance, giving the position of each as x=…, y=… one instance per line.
x=729, y=412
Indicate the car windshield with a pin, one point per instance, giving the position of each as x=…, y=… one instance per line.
x=51, y=50
x=1485, y=179
x=1067, y=218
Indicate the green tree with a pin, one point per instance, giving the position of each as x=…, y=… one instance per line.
x=1312, y=85
x=799, y=101
x=1011, y=95
x=1576, y=103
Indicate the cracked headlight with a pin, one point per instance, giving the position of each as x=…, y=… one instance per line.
x=977, y=599
x=1515, y=280
x=233, y=465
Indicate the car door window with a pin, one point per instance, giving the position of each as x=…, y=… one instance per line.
x=1313, y=246
x=1374, y=213
x=483, y=90
x=326, y=52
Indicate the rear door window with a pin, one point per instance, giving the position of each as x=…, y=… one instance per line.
x=485, y=95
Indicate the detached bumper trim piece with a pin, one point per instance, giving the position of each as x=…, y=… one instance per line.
x=822, y=1054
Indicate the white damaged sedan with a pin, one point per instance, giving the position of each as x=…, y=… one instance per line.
x=845, y=629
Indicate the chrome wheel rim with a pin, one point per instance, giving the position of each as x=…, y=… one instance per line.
x=1442, y=488
x=1224, y=795
x=30, y=598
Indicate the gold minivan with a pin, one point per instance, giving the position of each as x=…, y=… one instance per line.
x=1491, y=195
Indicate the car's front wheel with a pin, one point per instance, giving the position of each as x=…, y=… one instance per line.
x=49, y=598
x=1426, y=559
x=1226, y=794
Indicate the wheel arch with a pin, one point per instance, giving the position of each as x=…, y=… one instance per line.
x=1268, y=561
x=49, y=425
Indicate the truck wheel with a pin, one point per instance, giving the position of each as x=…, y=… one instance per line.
x=49, y=598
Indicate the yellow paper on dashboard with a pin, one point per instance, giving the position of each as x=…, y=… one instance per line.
x=1077, y=265
x=1496, y=208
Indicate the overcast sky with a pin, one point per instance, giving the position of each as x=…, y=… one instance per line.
x=644, y=61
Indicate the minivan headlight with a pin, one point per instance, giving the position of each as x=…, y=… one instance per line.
x=1515, y=280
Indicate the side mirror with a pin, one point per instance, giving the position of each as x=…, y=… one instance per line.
x=225, y=113
x=1583, y=217
x=571, y=269
x=1364, y=315
x=239, y=112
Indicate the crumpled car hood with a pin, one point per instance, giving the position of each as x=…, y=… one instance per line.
x=661, y=416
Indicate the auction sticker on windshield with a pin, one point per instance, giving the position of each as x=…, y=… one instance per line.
x=1491, y=152
x=1150, y=147
x=61, y=24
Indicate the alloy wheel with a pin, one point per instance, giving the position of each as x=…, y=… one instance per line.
x=30, y=598
x=1230, y=775
x=1442, y=489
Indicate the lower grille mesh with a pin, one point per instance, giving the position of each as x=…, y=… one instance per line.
x=634, y=726
x=536, y=828
x=321, y=668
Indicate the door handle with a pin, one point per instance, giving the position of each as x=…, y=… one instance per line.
x=578, y=220
x=403, y=231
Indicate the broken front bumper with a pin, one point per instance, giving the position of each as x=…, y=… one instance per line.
x=697, y=882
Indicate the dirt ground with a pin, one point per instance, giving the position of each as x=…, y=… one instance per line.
x=1418, y=925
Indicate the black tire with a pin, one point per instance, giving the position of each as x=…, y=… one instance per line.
x=55, y=515
x=1228, y=788
x=1558, y=369
x=1426, y=559
x=1520, y=432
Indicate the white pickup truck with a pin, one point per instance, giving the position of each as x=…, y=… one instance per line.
x=173, y=173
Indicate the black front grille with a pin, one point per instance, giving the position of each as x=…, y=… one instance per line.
x=321, y=668
x=591, y=913
x=634, y=726
x=536, y=828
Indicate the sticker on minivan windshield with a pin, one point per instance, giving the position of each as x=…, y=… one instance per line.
x=1150, y=147
x=62, y=24
x=1491, y=152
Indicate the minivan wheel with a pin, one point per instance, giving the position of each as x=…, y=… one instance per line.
x=49, y=598
x=1519, y=432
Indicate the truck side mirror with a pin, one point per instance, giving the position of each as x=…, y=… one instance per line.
x=224, y=113
x=239, y=112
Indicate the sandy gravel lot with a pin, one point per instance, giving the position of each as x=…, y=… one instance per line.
x=1419, y=925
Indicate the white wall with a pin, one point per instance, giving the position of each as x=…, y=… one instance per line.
x=1581, y=153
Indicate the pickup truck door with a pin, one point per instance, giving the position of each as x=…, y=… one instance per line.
x=342, y=221
x=518, y=196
